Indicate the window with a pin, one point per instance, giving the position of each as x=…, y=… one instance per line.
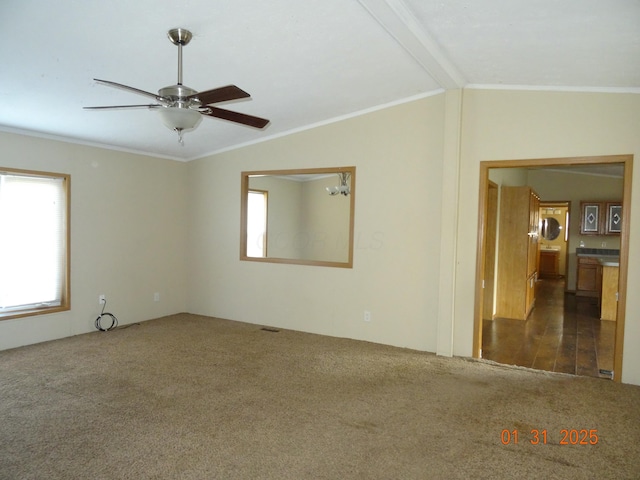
x=34, y=243
x=257, y=223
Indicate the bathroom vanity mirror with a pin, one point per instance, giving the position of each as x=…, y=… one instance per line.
x=302, y=216
x=550, y=228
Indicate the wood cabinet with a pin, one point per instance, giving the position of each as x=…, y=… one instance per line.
x=589, y=277
x=517, y=252
x=549, y=264
x=609, y=302
x=600, y=218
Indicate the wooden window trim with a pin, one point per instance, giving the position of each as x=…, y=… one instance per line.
x=65, y=301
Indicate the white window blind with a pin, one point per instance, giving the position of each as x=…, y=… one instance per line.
x=32, y=241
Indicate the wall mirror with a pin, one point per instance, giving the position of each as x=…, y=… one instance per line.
x=550, y=228
x=302, y=216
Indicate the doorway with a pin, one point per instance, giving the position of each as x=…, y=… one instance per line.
x=554, y=240
x=624, y=162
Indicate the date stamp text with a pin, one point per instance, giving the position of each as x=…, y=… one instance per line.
x=567, y=436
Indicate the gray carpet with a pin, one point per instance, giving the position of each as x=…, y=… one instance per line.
x=192, y=397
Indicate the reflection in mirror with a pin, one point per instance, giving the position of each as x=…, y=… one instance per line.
x=550, y=228
x=257, y=223
x=298, y=216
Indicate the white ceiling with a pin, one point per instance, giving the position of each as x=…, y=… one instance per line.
x=305, y=62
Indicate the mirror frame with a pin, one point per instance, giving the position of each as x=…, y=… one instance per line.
x=299, y=171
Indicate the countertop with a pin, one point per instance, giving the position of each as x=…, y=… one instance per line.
x=609, y=262
x=607, y=257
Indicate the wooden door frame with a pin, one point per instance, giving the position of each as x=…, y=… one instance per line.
x=627, y=162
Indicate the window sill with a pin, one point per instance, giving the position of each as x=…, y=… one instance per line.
x=33, y=311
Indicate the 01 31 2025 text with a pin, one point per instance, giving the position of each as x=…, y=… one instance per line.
x=565, y=436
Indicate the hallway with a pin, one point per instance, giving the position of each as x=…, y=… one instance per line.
x=562, y=334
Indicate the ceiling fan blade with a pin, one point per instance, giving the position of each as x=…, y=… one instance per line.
x=155, y=96
x=222, y=94
x=237, y=117
x=116, y=107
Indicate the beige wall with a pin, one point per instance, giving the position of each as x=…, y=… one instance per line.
x=142, y=224
x=398, y=156
x=127, y=235
x=511, y=125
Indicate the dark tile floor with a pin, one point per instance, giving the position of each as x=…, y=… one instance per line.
x=562, y=334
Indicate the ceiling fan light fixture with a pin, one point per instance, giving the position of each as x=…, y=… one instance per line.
x=180, y=118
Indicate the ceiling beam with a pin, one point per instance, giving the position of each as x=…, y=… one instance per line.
x=396, y=18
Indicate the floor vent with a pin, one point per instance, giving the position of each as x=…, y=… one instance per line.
x=272, y=330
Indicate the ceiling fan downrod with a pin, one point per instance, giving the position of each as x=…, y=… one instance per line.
x=179, y=37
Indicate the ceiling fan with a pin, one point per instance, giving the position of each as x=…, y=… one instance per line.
x=181, y=108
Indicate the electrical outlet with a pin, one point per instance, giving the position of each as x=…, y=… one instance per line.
x=102, y=299
x=156, y=297
x=367, y=316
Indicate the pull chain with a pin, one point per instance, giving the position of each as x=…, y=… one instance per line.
x=180, y=139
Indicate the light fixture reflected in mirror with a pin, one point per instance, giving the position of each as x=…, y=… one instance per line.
x=344, y=187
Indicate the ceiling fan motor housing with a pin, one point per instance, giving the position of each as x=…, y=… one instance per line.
x=177, y=96
x=180, y=112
